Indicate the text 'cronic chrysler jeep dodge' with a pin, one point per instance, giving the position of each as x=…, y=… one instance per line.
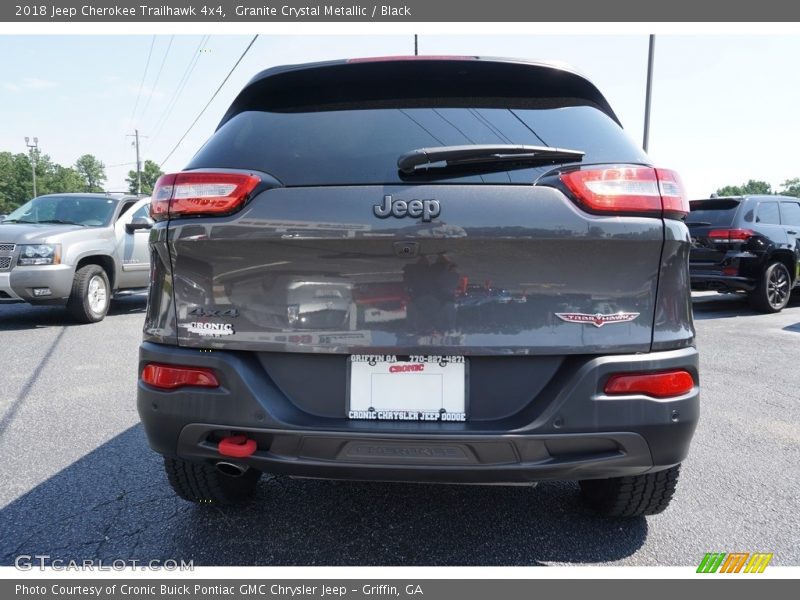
x=426, y=269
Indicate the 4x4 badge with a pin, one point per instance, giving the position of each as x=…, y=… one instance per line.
x=597, y=319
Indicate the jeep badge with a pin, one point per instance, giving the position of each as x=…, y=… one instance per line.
x=427, y=209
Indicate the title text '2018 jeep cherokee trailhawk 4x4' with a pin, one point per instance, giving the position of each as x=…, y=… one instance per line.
x=426, y=269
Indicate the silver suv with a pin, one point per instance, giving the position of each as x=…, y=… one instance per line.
x=75, y=250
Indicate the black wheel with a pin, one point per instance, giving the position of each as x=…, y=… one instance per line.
x=634, y=496
x=772, y=292
x=206, y=484
x=91, y=294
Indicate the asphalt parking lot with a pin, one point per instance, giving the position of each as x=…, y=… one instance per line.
x=79, y=482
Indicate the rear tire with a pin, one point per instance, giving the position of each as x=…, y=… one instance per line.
x=91, y=294
x=774, y=287
x=204, y=484
x=634, y=496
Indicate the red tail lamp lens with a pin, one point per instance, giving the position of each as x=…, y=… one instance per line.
x=200, y=193
x=628, y=190
x=674, y=200
x=731, y=235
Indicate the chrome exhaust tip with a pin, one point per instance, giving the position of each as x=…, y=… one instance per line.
x=230, y=469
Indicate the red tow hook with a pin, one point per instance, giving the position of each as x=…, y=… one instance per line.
x=236, y=446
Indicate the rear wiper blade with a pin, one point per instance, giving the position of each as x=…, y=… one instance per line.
x=483, y=154
x=697, y=223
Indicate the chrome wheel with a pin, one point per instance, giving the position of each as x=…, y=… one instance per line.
x=97, y=294
x=778, y=286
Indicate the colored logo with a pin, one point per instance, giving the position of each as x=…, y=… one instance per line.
x=734, y=562
x=406, y=368
x=597, y=319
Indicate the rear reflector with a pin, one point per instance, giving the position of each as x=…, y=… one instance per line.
x=731, y=235
x=170, y=377
x=658, y=385
x=628, y=190
x=200, y=193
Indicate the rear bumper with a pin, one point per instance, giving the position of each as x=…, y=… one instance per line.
x=709, y=281
x=429, y=458
x=581, y=434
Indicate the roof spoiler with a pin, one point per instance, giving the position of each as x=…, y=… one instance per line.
x=392, y=82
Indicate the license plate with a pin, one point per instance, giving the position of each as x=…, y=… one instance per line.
x=415, y=388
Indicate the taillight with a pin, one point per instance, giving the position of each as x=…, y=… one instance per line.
x=665, y=384
x=200, y=193
x=170, y=377
x=673, y=195
x=730, y=235
x=628, y=190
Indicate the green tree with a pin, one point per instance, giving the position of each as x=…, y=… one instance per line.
x=150, y=174
x=93, y=172
x=16, y=186
x=751, y=187
x=791, y=187
x=66, y=179
x=16, y=179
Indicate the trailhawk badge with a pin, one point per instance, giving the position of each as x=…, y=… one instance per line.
x=597, y=319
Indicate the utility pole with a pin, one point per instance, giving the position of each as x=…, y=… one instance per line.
x=649, y=92
x=136, y=137
x=33, y=149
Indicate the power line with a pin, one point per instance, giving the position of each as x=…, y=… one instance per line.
x=187, y=73
x=158, y=77
x=224, y=81
x=144, y=76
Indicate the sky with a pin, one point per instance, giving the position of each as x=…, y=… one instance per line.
x=725, y=107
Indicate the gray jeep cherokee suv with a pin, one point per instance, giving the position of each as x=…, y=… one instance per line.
x=427, y=269
x=75, y=250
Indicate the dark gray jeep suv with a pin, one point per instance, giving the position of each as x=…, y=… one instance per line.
x=426, y=269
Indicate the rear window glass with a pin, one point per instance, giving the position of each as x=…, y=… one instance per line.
x=712, y=212
x=768, y=214
x=362, y=146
